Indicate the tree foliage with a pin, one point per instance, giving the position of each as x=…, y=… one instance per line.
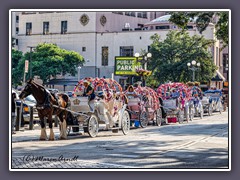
x=48, y=61
x=170, y=57
x=203, y=19
x=16, y=58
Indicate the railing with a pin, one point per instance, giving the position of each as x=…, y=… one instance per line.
x=31, y=120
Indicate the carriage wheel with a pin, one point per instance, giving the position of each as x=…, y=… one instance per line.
x=143, y=118
x=158, y=117
x=180, y=116
x=93, y=126
x=210, y=110
x=125, y=123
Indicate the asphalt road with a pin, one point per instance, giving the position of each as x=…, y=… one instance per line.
x=201, y=143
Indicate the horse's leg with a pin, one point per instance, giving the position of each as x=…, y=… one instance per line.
x=51, y=136
x=63, y=126
x=43, y=135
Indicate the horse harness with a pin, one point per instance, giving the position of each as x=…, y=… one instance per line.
x=47, y=101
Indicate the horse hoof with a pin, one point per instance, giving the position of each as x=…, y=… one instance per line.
x=62, y=138
x=42, y=139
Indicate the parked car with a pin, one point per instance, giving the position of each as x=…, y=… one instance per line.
x=53, y=90
x=28, y=102
x=70, y=93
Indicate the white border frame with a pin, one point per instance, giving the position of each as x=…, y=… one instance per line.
x=110, y=10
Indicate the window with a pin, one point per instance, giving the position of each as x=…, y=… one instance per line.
x=118, y=13
x=83, y=49
x=190, y=27
x=162, y=27
x=128, y=13
x=63, y=27
x=28, y=29
x=16, y=42
x=126, y=51
x=17, y=30
x=45, y=27
x=104, y=56
x=139, y=14
x=17, y=19
x=148, y=48
x=144, y=14
x=132, y=14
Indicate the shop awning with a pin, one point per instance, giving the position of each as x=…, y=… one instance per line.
x=218, y=77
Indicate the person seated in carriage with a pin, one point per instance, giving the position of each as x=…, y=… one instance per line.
x=174, y=94
x=131, y=92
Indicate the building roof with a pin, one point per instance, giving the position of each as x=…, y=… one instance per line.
x=218, y=77
x=163, y=19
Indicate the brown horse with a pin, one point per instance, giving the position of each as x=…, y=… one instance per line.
x=45, y=102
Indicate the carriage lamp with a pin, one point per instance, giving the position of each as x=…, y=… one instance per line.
x=192, y=66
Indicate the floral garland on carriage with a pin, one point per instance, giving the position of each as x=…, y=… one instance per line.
x=111, y=90
x=181, y=92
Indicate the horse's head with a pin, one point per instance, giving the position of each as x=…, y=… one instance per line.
x=27, y=89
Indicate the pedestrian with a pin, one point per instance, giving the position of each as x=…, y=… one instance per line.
x=13, y=112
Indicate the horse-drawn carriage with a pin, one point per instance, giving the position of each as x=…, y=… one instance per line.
x=175, y=97
x=107, y=108
x=195, y=102
x=212, y=101
x=143, y=106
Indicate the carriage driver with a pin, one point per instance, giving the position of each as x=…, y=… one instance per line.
x=88, y=91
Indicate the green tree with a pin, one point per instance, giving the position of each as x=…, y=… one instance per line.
x=49, y=60
x=170, y=57
x=16, y=58
x=203, y=19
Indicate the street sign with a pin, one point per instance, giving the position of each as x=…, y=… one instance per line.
x=126, y=65
x=26, y=65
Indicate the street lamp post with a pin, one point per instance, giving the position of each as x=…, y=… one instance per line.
x=79, y=68
x=30, y=60
x=193, y=66
x=144, y=61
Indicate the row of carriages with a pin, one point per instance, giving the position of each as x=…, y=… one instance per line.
x=115, y=109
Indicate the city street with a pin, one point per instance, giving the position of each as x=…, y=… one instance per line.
x=201, y=143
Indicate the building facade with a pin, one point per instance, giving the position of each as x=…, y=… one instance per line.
x=100, y=36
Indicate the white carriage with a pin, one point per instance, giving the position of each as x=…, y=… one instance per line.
x=107, y=111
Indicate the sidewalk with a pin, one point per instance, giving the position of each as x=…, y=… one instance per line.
x=33, y=135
